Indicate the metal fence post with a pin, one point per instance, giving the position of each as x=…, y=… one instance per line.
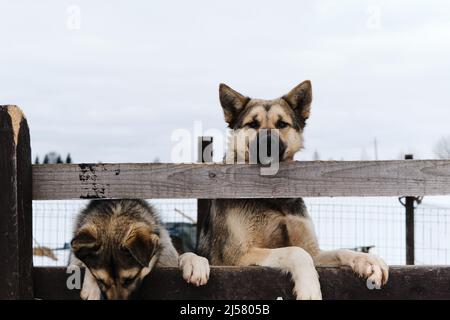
x=16, y=256
x=409, y=219
x=205, y=154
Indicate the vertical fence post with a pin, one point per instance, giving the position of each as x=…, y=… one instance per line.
x=205, y=154
x=16, y=252
x=409, y=218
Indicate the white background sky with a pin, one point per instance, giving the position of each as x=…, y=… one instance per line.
x=115, y=89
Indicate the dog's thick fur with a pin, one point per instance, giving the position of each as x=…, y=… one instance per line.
x=119, y=242
x=274, y=232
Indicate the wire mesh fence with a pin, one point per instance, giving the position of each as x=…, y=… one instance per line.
x=377, y=224
x=432, y=239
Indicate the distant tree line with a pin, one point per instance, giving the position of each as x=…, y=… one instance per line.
x=53, y=157
x=442, y=148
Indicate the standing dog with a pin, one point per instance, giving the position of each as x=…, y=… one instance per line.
x=119, y=242
x=275, y=233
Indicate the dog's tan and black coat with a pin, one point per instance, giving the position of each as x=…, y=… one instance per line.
x=273, y=232
x=119, y=242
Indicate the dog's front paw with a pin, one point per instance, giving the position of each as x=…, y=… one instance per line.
x=373, y=268
x=307, y=287
x=90, y=291
x=195, y=268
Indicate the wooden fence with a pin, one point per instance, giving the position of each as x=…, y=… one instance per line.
x=21, y=182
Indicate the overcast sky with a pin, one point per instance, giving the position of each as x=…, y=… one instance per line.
x=115, y=89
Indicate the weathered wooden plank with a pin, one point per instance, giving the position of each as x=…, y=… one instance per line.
x=24, y=210
x=405, y=282
x=409, y=224
x=208, y=181
x=9, y=285
x=15, y=206
x=205, y=155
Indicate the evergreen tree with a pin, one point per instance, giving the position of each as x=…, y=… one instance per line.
x=45, y=159
x=59, y=160
x=68, y=158
x=36, y=160
x=316, y=156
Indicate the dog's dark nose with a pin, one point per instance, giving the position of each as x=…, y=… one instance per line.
x=268, y=148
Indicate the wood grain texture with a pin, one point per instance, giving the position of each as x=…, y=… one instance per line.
x=205, y=155
x=24, y=210
x=9, y=267
x=15, y=206
x=209, y=181
x=235, y=283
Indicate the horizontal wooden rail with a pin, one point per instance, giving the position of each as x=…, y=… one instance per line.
x=405, y=282
x=208, y=181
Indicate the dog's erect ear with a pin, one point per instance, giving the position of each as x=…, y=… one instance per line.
x=232, y=102
x=141, y=242
x=85, y=243
x=300, y=99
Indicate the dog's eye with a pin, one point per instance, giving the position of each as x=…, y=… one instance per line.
x=101, y=283
x=254, y=124
x=281, y=124
x=125, y=251
x=128, y=281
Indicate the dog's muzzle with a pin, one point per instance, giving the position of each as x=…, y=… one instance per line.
x=267, y=148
